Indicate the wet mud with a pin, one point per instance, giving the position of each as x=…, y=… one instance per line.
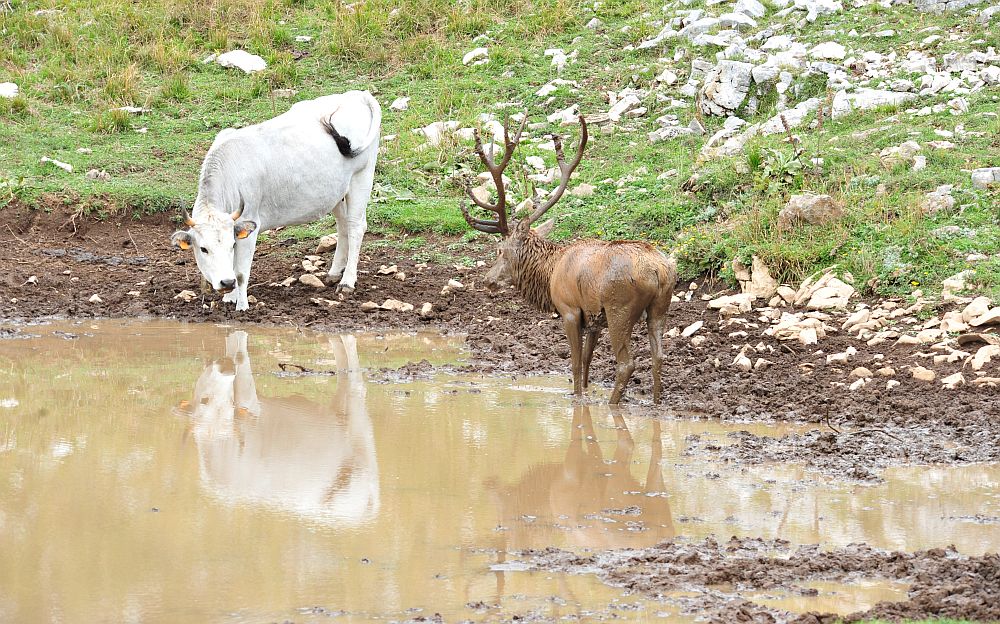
x=849, y=436
x=942, y=583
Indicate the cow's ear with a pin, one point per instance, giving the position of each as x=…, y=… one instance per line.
x=242, y=229
x=181, y=240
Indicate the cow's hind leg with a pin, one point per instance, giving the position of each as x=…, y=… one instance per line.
x=357, y=223
x=340, y=253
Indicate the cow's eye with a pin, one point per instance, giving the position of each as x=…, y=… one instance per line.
x=204, y=251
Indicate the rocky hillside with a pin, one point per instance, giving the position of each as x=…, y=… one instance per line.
x=801, y=134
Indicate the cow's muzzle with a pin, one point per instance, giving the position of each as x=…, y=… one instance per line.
x=227, y=286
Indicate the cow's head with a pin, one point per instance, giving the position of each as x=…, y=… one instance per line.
x=212, y=235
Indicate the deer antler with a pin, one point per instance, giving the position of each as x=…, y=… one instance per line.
x=566, y=170
x=496, y=171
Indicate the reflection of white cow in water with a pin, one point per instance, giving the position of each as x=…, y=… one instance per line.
x=290, y=454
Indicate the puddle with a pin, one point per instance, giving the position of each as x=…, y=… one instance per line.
x=831, y=597
x=166, y=472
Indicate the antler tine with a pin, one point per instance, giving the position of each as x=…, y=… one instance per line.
x=511, y=144
x=496, y=171
x=565, y=170
x=482, y=204
x=490, y=227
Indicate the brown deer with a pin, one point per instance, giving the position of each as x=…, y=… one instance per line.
x=592, y=284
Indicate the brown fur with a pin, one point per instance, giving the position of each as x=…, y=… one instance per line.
x=593, y=284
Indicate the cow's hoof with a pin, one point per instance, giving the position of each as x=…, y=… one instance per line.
x=344, y=292
x=332, y=280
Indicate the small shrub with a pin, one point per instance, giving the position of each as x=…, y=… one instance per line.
x=175, y=88
x=112, y=122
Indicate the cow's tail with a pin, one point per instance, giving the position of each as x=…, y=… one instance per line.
x=343, y=143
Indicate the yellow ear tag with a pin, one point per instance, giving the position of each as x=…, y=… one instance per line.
x=242, y=233
x=183, y=244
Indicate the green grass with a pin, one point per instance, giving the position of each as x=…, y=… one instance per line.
x=76, y=67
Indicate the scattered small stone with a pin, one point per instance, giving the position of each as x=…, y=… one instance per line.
x=98, y=174
x=691, y=329
x=186, y=295
x=312, y=281
x=9, y=90
x=395, y=305
x=861, y=372
x=985, y=177
x=809, y=208
x=742, y=362
x=369, y=306
x=922, y=374
x=904, y=153
x=400, y=104
x=241, y=59
x=327, y=243
x=64, y=166
x=841, y=358
x=95, y=299
x=742, y=302
x=830, y=50
x=478, y=56
x=953, y=381
x=976, y=308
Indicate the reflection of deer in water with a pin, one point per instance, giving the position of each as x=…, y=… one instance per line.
x=584, y=484
x=572, y=500
x=289, y=453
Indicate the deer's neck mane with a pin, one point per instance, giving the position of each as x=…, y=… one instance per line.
x=532, y=275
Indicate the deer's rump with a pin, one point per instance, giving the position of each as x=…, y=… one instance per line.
x=593, y=275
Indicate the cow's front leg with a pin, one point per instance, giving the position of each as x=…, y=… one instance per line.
x=242, y=260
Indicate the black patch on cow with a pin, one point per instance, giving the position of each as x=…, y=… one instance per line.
x=343, y=143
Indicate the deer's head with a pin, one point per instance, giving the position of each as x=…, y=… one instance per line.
x=517, y=237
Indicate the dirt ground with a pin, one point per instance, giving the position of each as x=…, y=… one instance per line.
x=136, y=273
x=944, y=583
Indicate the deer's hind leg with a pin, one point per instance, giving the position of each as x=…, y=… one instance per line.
x=621, y=320
x=655, y=325
x=573, y=326
x=590, y=340
x=656, y=322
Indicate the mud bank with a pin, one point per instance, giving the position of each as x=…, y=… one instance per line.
x=942, y=583
x=134, y=272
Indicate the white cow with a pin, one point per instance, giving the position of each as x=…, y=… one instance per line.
x=316, y=158
x=290, y=454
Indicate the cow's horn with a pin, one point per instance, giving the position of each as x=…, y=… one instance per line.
x=239, y=211
x=188, y=221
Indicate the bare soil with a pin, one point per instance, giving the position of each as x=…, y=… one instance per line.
x=944, y=584
x=131, y=266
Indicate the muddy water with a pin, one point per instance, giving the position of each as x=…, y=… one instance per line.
x=163, y=472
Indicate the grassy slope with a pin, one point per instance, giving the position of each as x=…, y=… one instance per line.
x=76, y=66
